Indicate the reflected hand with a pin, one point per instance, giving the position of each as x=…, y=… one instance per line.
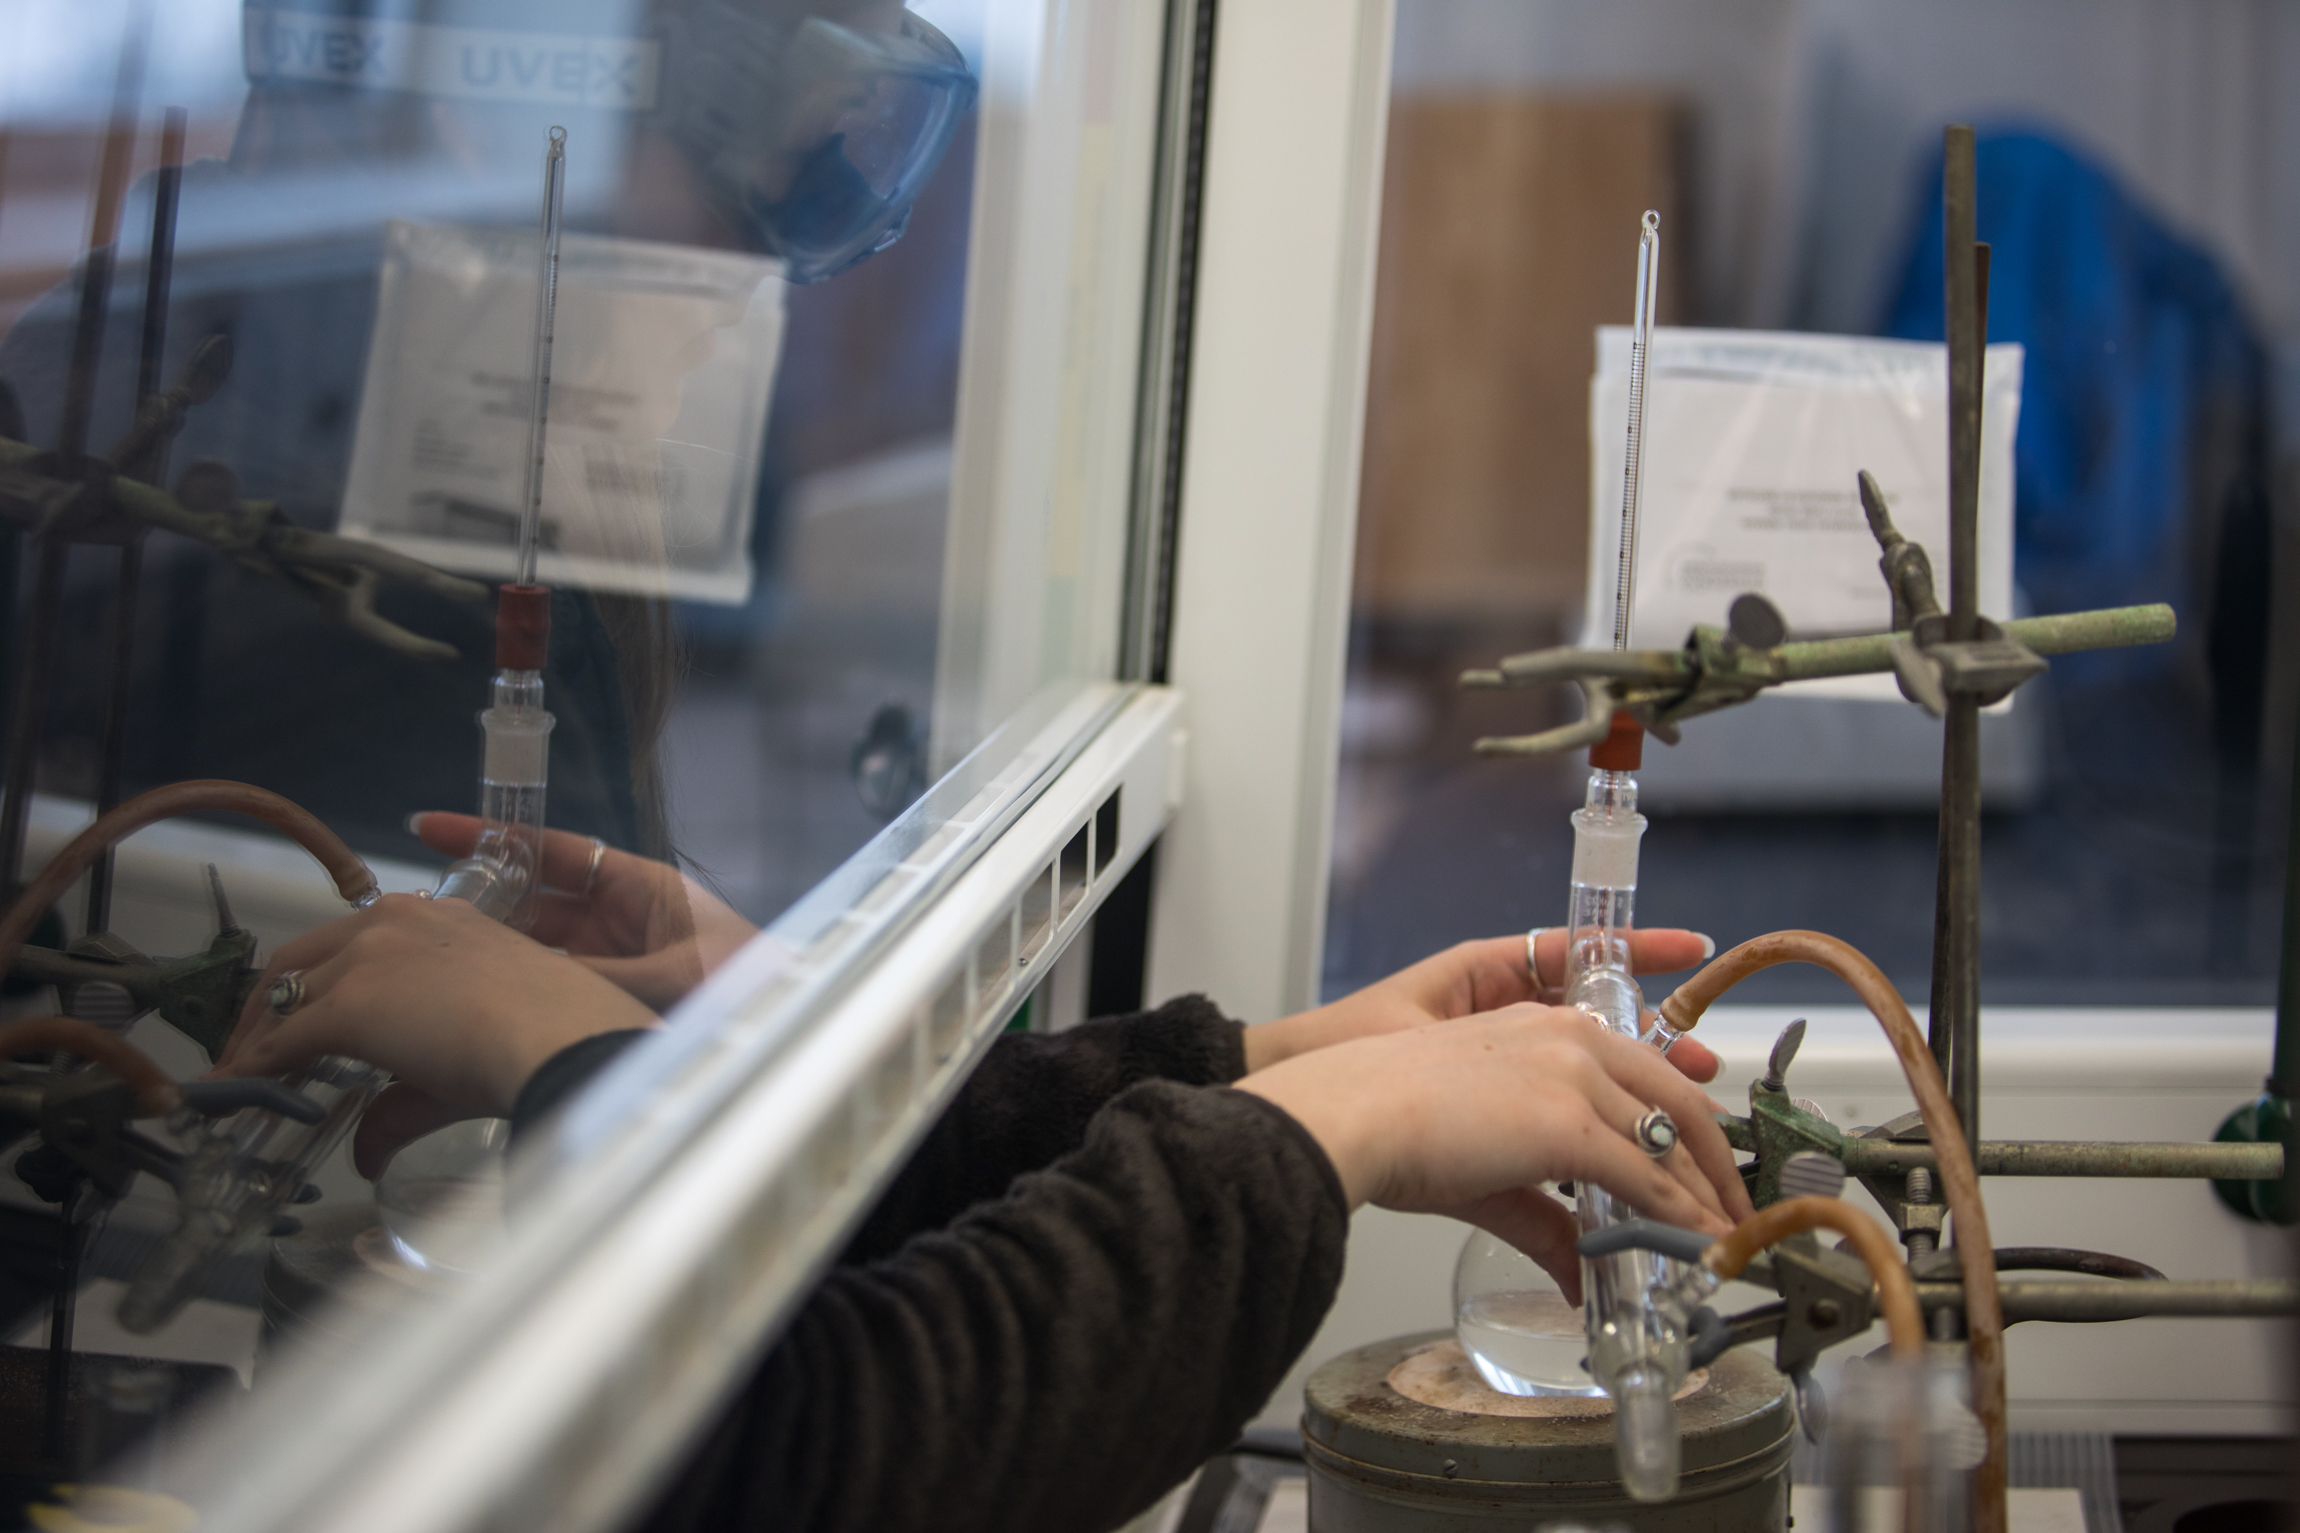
x=460, y=1008
x=1468, y=978
x=1469, y=1117
x=644, y=925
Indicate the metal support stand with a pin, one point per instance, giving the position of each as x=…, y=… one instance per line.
x=150, y=464
x=1956, y=998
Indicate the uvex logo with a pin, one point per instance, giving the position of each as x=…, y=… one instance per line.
x=552, y=69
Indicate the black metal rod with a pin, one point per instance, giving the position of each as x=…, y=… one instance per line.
x=151, y=466
x=96, y=270
x=2284, y=1069
x=60, y=1316
x=1956, y=912
x=125, y=594
x=87, y=346
x=2079, y=1157
x=2120, y=1299
x=35, y=659
x=159, y=272
x=1959, y=221
x=1955, y=1022
x=37, y=640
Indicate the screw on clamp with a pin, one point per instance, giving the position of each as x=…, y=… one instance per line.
x=1927, y=663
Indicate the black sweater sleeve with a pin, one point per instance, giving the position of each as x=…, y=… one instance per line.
x=1058, y=1357
x=1086, y=1283
x=1027, y=1103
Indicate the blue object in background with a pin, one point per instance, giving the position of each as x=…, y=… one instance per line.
x=2135, y=339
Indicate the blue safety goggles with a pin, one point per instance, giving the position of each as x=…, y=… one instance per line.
x=825, y=176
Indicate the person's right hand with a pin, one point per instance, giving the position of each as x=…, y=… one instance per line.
x=461, y=1009
x=1469, y=1117
x=648, y=927
x=1471, y=977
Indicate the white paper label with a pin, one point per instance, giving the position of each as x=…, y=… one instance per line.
x=663, y=366
x=1753, y=442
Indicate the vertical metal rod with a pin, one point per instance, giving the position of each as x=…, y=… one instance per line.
x=1959, y=196
x=1956, y=923
x=2284, y=1063
x=103, y=235
x=33, y=663
x=126, y=592
x=11, y=540
x=167, y=190
x=60, y=1318
x=37, y=640
x=128, y=588
x=36, y=658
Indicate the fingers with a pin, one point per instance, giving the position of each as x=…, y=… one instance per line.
x=1621, y=1111
x=257, y=1019
x=1665, y=948
x=1469, y=977
x=1693, y=1060
x=566, y=856
x=1647, y=1077
x=1655, y=950
x=395, y=1119
x=291, y=1042
x=1605, y=1156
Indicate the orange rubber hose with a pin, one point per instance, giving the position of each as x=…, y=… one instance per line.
x=156, y=1094
x=1896, y=1291
x=352, y=879
x=1960, y=1182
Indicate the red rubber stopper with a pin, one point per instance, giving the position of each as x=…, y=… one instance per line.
x=1623, y=750
x=522, y=627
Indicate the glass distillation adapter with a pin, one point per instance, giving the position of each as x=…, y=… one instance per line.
x=1633, y=1339
x=243, y=1171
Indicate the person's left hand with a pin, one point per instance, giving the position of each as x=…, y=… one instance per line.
x=1468, y=978
x=460, y=1008
x=645, y=925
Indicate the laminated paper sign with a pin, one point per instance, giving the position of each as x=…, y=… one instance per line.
x=663, y=366
x=1752, y=443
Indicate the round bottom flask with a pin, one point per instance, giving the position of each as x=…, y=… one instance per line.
x=1524, y=1336
x=441, y=1198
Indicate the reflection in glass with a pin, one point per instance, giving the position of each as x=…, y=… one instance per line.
x=304, y=339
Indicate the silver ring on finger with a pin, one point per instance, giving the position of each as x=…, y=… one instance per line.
x=286, y=993
x=591, y=870
x=1533, y=960
x=1655, y=1133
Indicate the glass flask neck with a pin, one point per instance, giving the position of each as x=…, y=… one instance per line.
x=1611, y=793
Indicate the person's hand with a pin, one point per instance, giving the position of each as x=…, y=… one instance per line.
x=647, y=927
x=460, y=1008
x=1468, y=978
x=1469, y=1117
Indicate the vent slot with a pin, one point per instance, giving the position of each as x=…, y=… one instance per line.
x=1075, y=870
x=993, y=964
x=1106, y=832
x=1037, y=914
